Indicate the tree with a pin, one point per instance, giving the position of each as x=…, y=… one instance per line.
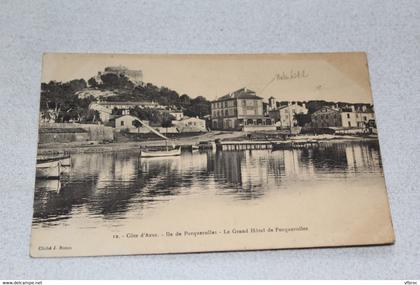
x=137, y=125
x=199, y=107
x=302, y=119
x=166, y=121
x=184, y=100
x=61, y=101
x=93, y=83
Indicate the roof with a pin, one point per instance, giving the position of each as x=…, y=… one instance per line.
x=242, y=93
x=191, y=118
x=345, y=110
x=125, y=115
x=126, y=103
x=326, y=107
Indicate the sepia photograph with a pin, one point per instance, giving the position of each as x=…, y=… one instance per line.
x=153, y=153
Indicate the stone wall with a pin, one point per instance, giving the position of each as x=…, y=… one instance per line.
x=93, y=132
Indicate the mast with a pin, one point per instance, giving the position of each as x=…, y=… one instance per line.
x=153, y=130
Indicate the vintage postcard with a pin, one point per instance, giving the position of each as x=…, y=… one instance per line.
x=147, y=154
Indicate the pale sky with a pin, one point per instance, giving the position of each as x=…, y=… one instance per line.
x=328, y=76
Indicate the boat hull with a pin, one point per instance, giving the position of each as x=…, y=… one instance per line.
x=48, y=170
x=64, y=161
x=174, y=152
x=53, y=185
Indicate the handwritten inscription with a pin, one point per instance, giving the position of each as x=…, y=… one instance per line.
x=292, y=74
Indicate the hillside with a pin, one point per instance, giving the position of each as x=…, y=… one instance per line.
x=69, y=101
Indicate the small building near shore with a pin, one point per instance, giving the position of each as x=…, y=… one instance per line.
x=284, y=116
x=105, y=109
x=190, y=125
x=177, y=114
x=128, y=123
x=347, y=117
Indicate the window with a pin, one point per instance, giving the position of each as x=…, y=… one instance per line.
x=226, y=113
x=122, y=123
x=348, y=116
x=349, y=123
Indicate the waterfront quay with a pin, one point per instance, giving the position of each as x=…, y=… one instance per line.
x=225, y=141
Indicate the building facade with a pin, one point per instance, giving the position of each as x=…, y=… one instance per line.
x=326, y=117
x=342, y=117
x=177, y=114
x=190, y=125
x=127, y=122
x=237, y=110
x=284, y=116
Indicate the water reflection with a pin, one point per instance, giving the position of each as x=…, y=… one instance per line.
x=120, y=186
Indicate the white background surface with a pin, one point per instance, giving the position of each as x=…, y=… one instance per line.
x=388, y=30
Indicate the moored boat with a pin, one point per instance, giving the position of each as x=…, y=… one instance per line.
x=48, y=185
x=175, y=151
x=48, y=169
x=289, y=144
x=64, y=160
x=161, y=153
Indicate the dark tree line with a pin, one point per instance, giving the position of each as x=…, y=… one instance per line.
x=60, y=102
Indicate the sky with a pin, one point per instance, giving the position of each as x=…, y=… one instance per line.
x=317, y=76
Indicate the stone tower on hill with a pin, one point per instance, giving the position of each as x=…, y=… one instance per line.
x=135, y=76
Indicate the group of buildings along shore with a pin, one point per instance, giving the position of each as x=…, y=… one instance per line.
x=240, y=110
x=243, y=110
